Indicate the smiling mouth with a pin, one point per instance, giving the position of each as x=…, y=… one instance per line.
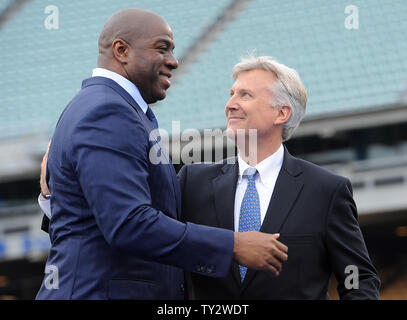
x=232, y=119
x=165, y=79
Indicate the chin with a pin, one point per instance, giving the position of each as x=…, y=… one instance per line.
x=239, y=131
x=231, y=133
x=160, y=95
x=155, y=99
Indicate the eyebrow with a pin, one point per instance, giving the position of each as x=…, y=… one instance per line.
x=240, y=90
x=168, y=43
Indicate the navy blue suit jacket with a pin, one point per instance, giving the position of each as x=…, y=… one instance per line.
x=114, y=229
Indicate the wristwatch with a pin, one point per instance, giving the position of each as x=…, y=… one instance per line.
x=45, y=197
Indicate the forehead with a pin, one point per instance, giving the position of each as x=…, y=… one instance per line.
x=158, y=28
x=164, y=35
x=254, y=80
x=153, y=31
x=161, y=29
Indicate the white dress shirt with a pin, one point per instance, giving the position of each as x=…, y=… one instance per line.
x=131, y=89
x=268, y=170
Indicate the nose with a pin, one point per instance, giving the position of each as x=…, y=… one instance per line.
x=172, y=62
x=231, y=105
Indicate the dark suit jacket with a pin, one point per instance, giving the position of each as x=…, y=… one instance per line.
x=315, y=214
x=114, y=228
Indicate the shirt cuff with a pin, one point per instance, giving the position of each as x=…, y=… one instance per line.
x=45, y=205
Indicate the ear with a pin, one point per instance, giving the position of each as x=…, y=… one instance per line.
x=284, y=113
x=120, y=49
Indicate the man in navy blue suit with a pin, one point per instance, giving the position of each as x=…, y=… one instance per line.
x=115, y=230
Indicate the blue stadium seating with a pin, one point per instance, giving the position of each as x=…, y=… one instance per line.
x=42, y=69
x=343, y=70
x=4, y=4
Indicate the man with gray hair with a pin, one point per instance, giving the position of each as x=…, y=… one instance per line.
x=309, y=209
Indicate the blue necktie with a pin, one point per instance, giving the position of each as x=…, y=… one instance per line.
x=249, y=219
x=150, y=115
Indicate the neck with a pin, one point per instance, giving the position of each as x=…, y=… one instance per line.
x=111, y=66
x=254, y=153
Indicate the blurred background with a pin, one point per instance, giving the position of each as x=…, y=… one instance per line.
x=351, y=56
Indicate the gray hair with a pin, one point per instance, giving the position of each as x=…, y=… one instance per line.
x=287, y=90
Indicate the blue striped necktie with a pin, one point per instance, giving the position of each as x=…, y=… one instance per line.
x=249, y=219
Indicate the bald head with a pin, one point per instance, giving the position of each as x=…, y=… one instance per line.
x=127, y=24
x=138, y=45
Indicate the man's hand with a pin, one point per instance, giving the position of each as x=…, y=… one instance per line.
x=43, y=182
x=260, y=251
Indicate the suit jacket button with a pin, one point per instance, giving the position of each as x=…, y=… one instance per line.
x=210, y=269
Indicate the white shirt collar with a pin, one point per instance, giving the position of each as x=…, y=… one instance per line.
x=127, y=85
x=266, y=167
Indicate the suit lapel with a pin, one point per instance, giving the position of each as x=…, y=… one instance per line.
x=286, y=191
x=177, y=189
x=146, y=122
x=224, y=190
x=167, y=161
